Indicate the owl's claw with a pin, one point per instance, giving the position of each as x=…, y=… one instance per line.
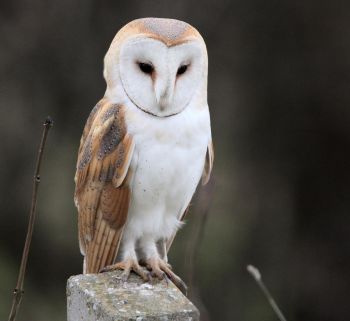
x=162, y=270
x=127, y=266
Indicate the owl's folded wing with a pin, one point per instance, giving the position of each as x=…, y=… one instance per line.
x=208, y=166
x=102, y=194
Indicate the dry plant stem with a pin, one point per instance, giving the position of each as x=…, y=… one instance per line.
x=18, y=292
x=254, y=272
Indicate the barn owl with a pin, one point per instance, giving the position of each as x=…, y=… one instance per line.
x=144, y=149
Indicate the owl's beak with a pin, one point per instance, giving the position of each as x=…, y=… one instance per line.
x=164, y=90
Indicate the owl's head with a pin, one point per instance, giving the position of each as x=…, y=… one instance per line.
x=161, y=65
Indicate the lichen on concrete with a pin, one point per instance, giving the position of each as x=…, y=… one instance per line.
x=105, y=297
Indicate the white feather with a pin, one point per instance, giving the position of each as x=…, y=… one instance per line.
x=169, y=151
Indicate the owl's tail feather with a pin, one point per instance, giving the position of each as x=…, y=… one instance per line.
x=102, y=250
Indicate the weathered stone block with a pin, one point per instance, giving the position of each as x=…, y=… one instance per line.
x=105, y=297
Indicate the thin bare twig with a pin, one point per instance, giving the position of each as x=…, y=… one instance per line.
x=255, y=273
x=18, y=291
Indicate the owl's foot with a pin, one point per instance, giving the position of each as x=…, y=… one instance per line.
x=127, y=266
x=162, y=270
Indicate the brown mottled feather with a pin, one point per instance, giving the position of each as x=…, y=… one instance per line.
x=102, y=194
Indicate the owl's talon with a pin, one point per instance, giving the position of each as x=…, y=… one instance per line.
x=162, y=270
x=128, y=266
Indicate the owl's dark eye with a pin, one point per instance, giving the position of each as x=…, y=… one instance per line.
x=146, y=68
x=182, y=69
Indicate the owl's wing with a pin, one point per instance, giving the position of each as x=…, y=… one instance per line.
x=208, y=165
x=102, y=194
x=171, y=239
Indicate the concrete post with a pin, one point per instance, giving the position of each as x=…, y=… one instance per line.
x=105, y=297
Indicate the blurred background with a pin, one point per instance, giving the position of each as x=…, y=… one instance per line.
x=279, y=93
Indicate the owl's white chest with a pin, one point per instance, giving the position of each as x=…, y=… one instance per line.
x=167, y=165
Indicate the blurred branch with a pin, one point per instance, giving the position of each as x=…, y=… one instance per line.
x=255, y=273
x=18, y=291
x=203, y=201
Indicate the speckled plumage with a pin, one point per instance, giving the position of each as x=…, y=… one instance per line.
x=167, y=28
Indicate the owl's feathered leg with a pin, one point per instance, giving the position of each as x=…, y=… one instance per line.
x=128, y=265
x=128, y=261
